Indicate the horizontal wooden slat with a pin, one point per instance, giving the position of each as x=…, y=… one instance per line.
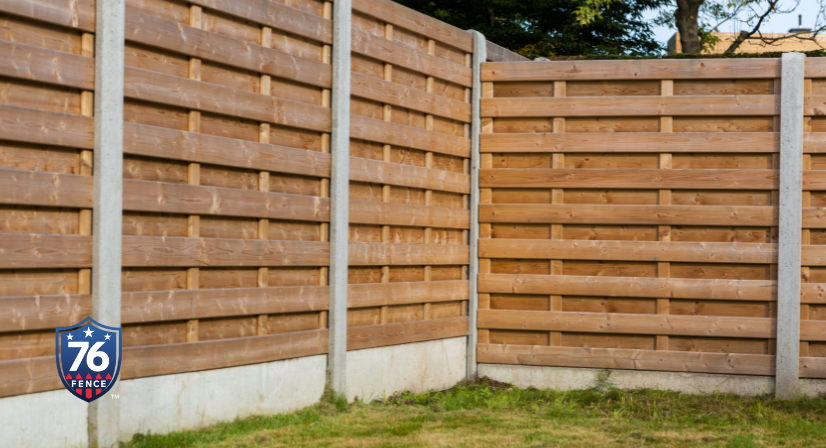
x=388, y=173
x=30, y=375
x=26, y=313
x=22, y=187
x=404, y=293
x=275, y=15
x=397, y=54
x=630, y=214
x=597, y=286
x=172, y=36
x=47, y=66
x=813, y=293
x=673, y=325
x=196, y=356
x=632, y=70
x=402, y=254
x=395, y=94
x=153, y=141
x=156, y=87
x=670, y=251
x=394, y=214
x=626, y=106
x=814, y=68
x=23, y=124
x=194, y=252
x=156, y=306
x=712, y=179
x=78, y=14
x=399, y=15
x=144, y=196
x=407, y=136
x=812, y=330
x=26, y=250
x=405, y=332
x=814, y=105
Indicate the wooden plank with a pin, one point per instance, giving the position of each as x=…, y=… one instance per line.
x=711, y=179
x=642, y=142
x=194, y=42
x=183, y=304
x=814, y=105
x=377, y=89
x=403, y=254
x=77, y=14
x=652, y=287
x=46, y=66
x=407, y=136
x=22, y=187
x=405, y=332
x=813, y=142
x=26, y=376
x=632, y=70
x=26, y=313
x=397, y=54
x=148, y=251
x=377, y=171
x=216, y=354
x=655, y=324
x=363, y=295
x=661, y=251
x=23, y=124
x=814, y=218
x=399, y=15
x=390, y=213
x=26, y=250
x=153, y=141
x=628, y=359
x=156, y=87
x=144, y=196
x=629, y=214
x=275, y=15
x=813, y=293
x=812, y=330
x=628, y=106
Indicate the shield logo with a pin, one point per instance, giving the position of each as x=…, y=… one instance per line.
x=88, y=358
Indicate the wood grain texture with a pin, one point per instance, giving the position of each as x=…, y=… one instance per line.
x=395, y=134
x=404, y=293
x=388, y=173
x=399, y=15
x=395, y=94
x=402, y=254
x=43, y=127
x=389, y=213
x=26, y=313
x=77, y=14
x=47, y=66
x=25, y=250
x=405, y=332
x=22, y=187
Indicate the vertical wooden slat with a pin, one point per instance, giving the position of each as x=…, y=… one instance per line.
x=466, y=170
x=387, y=156
x=428, y=194
x=87, y=106
x=324, y=228
x=805, y=271
x=556, y=230
x=264, y=88
x=664, y=198
x=194, y=173
x=485, y=197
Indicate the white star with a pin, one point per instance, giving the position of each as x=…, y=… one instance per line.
x=88, y=332
x=69, y=337
x=107, y=337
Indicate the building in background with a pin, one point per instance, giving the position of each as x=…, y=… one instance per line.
x=755, y=45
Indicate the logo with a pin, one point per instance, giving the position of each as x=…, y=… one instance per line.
x=88, y=358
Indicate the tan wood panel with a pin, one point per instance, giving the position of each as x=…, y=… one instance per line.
x=402, y=254
x=202, y=252
x=46, y=189
x=377, y=171
x=25, y=250
x=77, y=14
x=674, y=288
x=23, y=124
x=172, y=36
x=402, y=293
x=627, y=106
x=812, y=330
x=47, y=66
x=632, y=214
x=654, y=324
x=145, y=196
x=632, y=70
x=397, y=54
x=387, y=132
x=156, y=87
x=25, y=313
x=395, y=94
x=390, y=213
x=405, y=332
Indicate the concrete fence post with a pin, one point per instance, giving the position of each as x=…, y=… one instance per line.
x=104, y=416
x=479, y=56
x=339, y=195
x=790, y=223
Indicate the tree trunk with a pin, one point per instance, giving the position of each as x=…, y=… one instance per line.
x=688, y=26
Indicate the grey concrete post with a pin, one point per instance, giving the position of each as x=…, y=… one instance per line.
x=479, y=56
x=103, y=423
x=339, y=195
x=790, y=223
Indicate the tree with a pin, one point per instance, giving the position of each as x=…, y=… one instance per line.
x=537, y=28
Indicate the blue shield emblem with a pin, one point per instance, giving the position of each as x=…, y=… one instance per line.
x=88, y=358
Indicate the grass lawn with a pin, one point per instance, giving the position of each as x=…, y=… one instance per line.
x=490, y=414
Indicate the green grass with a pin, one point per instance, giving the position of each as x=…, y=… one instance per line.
x=490, y=414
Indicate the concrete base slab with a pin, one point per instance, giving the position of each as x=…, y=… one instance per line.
x=43, y=420
x=418, y=367
x=570, y=378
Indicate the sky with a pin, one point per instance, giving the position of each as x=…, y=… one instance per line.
x=779, y=23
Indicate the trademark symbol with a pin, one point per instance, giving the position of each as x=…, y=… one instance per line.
x=116, y=396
